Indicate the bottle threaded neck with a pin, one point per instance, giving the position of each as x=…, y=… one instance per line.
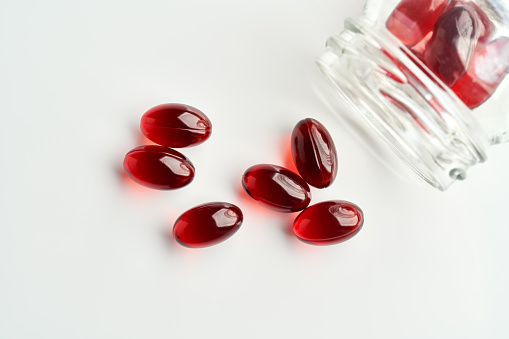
x=399, y=99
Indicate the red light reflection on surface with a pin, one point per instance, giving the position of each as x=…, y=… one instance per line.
x=245, y=199
x=143, y=140
x=126, y=181
x=287, y=155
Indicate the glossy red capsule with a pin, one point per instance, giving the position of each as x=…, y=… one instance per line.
x=451, y=48
x=276, y=188
x=176, y=125
x=488, y=69
x=207, y=224
x=485, y=26
x=412, y=20
x=158, y=167
x=328, y=222
x=314, y=153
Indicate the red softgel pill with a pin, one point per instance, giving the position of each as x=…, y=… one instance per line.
x=276, y=188
x=207, y=224
x=412, y=20
x=176, y=125
x=328, y=222
x=159, y=167
x=485, y=26
x=488, y=69
x=314, y=153
x=450, y=50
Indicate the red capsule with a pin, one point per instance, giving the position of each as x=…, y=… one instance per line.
x=328, y=222
x=412, y=20
x=451, y=48
x=486, y=27
x=488, y=69
x=207, y=224
x=158, y=167
x=314, y=153
x=176, y=125
x=276, y=188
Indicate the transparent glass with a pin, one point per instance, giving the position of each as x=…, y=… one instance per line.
x=428, y=77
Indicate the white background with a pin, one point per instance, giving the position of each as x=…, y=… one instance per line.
x=85, y=253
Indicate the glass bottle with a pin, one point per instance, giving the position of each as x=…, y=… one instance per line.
x=428, y=77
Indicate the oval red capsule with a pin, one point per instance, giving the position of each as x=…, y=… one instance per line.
x=207, y=224
x=176, y=125
x=488, y=69
x=314, y=153
x=486, y=27
x=328, y=222
x=450, y=50
x=159, y=167
x=276, y=188
x=412, y=20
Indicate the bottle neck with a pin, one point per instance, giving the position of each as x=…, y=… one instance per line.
x=402, y=102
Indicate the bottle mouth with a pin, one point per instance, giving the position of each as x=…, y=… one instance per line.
x=403, y=103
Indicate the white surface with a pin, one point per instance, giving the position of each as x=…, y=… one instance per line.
x=86, y=254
